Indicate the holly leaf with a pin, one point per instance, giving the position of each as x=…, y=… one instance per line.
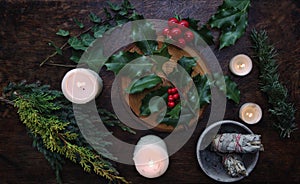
x=117, y=61
x=175, y=112
x=62, y=32
x=187, y=63
x=203, y=32
x=140, y=35
x=79, y=24
x=206, y=35
x=145, y=108
x=94, y=18
x=203, y=87
x=76, y=44
x=231, y=19
x=76, y=55
x=87, y=39
x=113, y=6
x=146, y=82
x=230, y=89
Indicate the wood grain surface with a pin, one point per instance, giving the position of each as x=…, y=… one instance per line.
x=27, y=26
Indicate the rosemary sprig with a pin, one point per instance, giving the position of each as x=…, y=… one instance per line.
x=277, y=93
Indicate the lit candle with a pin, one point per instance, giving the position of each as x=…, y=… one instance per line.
x=81, y=85
x=250, y=113
x=151, y=157
x=240, y=65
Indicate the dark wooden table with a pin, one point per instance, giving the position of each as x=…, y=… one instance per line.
x=27, y=26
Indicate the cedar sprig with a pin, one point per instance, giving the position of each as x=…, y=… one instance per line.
x=282, y=109
x=50, y=121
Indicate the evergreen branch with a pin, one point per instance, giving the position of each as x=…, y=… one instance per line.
x=277, y=93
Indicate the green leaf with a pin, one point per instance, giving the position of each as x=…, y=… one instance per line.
x=135, y=16
x=141, y=33
x=117, y=61
x=146, y=82
x=94, y=18
x=231, y=89
x=76, y=55
x=206, y=35
x=187, y=63
x=87, y=39
x=62, y=32
x=57, y=49
x=145, y=109
x=99, y=30
x=80, y=24
x=76, y=44
x=231, y=19
x=203, y=87
x=113, y=6
x=175, y=112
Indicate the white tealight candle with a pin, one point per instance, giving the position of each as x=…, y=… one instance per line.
x=151, y=157
x=81, y=85
x=240, y=65
x=250, y=113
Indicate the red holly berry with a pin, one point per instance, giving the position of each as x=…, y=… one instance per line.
x=175, y=32
x=170, y=91
x=184, y=23
x=181, y=42
x=172, y=22
x=170, y=98
x=166, y=31
x=171, y=104
x=189, y=36
x=174, y=90
x=175, y=96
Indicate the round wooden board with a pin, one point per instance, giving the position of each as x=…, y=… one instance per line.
x=135, y=100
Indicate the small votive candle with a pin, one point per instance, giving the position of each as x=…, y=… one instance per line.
x=250, y=113
x=240, y=65
x=81, y=85
x=150, y=156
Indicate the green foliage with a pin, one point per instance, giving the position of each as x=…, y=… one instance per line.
x=282, y=110
x=115, y=15
x=231, y=19
x=203, y=87
x=228, y=86
x=188, y=63
x=146, y=82
x=50, y=121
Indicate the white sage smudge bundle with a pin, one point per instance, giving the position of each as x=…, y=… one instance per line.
x=234, y=165
x=238, y=143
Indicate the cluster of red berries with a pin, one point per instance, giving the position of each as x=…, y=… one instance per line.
x=173, y=97
x=176, y=31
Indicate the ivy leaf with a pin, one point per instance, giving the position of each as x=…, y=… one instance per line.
x=203, y=87
x=113, y=6
x=76, y=55
x=87, y=39
x=99, y=30
x=62, y=32
x=117, y=61
x=94, y=18
x=80, y=24
x=145, y=109
x=76, y=44
x=231, y=18
x=146, y=82
x=187, y=63
x=57, y=49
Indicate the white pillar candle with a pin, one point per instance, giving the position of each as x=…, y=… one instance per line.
x=81, y=85
x=150, y=156
x=250, y=113
x=240, y=65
